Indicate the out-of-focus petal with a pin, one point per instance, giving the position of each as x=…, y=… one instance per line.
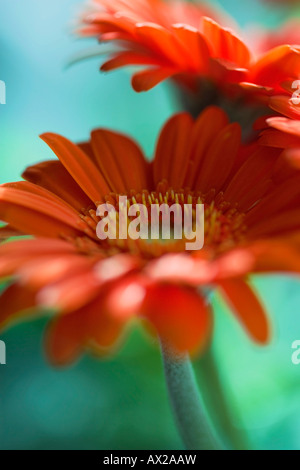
x=247, y=308
x=180, y=316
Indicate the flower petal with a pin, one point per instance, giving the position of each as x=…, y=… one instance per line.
x=80, y=167
x=180, y=316
x=120, y=160
x=247, y=308
x=172, y=151
x=37, y=214
x=53, y=176
x=147, y=79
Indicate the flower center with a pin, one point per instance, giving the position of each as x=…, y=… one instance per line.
x=221, y=224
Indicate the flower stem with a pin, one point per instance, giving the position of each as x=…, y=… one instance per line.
x=215, y=401
x=187, y=408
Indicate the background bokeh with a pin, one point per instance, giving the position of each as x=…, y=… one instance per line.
x=120, y=402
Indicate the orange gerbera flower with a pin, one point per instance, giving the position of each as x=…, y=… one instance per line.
x=252, y=222
x=175, y=40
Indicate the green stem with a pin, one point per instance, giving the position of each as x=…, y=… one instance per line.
x=215, y=401
x=188, y=412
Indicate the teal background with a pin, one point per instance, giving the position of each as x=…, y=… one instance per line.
x=120, y=402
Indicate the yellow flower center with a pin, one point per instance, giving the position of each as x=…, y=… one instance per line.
x=223, y=224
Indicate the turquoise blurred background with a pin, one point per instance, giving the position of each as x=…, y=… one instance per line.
x=120, y=402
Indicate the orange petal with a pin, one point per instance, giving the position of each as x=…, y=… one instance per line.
x=161, y=41
x=65, y=338
x=172, y=150
x=282, y=104
x=252, y=179
x=280, y=255
x=209, y=124
x=36, y=247
x=180, y=316
x=104, y=329
x=277, y=139
x=278, y=199
x=247, y=308
x=80, y=167
x=91, y=326
x=48, y=269
x=37, y=214
x=16, y=301
x=14, y=255
x=220, y=158
x=277, y=64
x=120, y=160
x=289, y=126
x=52, y=176
x=224, y=44
x=126, y=58
x=70, y=293
x=194, y=47
x=287, y=221
x=147, y=79
x=182, y=268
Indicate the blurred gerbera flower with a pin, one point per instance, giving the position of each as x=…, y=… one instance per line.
x=176, y=40
x=252, y=224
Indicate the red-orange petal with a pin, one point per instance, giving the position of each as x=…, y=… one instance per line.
x=220, y=158
x=120, y=160
x=65, y=338
x=15, y=302
x=180, y=316
x=79, y=165
x=247, y=308
x=224, y=44
x=172, y=150
x=37, y=214
x=53, y=176
x=147, y=79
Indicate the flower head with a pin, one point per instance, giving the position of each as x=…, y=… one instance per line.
x=97, y=286
x=181, y=41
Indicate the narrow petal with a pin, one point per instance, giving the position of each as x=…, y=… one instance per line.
x=247, y=308
x=126, y=58
x=220, y=159
x=65, y=338
x=52, y=176
x=194, y=46
x=16, y=301
x=172, y=151
x=80, y=167
x=224, y=44
x=161, y=41
x=37, y=214
x=252, y=178
x=147, y=79
x=120, y=160
x=281, y=197
x=207, y=126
